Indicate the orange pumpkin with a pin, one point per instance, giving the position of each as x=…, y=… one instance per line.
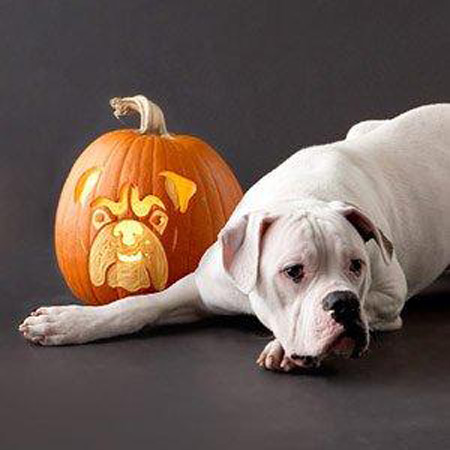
x=139, y=208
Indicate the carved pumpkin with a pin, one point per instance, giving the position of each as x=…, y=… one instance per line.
x=139, y=208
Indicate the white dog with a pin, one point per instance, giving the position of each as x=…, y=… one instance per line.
x=324, y=248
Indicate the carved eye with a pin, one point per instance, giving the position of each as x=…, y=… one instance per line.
x=294, y=272
x=159, y=220
x=356, y=266
x=100, y=218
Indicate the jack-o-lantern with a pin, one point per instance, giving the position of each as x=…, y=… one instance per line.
x=139, y=208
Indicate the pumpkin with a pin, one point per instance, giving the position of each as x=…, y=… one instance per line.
x=139, y=208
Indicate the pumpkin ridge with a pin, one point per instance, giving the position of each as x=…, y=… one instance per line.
x=139, y=165
x=61, y=219
x=159, y=154
x=76, y=276
x=213, y=157
x=177, y=154
x=216, y=191
x=208, y=205
x=150, y=168
x=146, y=149
x=135, y=175
x=238, y=193
x=219, y=186
x=124, y=145
x=127, y=140
x=122, y=179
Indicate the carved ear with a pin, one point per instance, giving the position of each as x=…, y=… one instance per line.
x=365, y=227
x=179, y=189
x=240, y=245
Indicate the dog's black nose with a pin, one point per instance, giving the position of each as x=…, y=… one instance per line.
x=307, y=361
x=344, y=306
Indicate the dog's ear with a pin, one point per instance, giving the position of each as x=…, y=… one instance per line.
x=365, y=227
x=240, y=244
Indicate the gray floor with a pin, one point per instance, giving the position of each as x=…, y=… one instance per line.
x=198, y=387
x=257, y=79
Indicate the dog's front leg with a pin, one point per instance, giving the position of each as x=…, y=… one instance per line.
x=273, y=357
x=74, y=324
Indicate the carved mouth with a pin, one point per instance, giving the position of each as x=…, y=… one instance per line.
x=135, y=257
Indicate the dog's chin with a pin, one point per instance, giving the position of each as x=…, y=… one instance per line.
x=351, y=343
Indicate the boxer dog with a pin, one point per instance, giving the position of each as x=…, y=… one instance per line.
x=323, y=249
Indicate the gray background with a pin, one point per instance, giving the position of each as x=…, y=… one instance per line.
x=258, y=80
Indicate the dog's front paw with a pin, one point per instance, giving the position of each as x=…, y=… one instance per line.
x=386, y=325
x=61, y=325
x=273, y=358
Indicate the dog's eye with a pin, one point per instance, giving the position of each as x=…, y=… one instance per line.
x=294, y=272
x=356, y=266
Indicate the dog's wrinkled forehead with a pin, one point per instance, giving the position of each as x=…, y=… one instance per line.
x=311, y=234
x=324, y=228
x=288, y=235
x=337, y=231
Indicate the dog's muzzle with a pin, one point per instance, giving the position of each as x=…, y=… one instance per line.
x=344, y=308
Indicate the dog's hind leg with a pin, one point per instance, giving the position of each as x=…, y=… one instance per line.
x=386, y=297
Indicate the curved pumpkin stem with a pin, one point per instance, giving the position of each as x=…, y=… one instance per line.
x=152, y=118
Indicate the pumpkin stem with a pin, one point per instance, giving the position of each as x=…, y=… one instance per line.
x=152, y=118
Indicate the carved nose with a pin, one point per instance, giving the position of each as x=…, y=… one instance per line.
x=344, y=306
x=128, y=231
x=306, y=360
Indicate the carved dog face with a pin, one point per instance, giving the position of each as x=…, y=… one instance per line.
x=126, y=251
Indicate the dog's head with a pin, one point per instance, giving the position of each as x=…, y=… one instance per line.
x=307, y=274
